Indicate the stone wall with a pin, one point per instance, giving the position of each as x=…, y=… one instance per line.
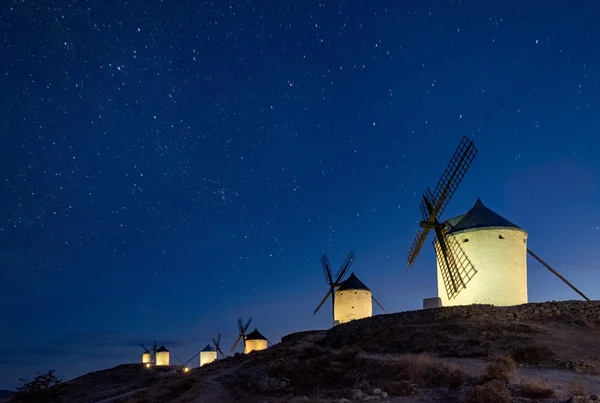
x=589, y=311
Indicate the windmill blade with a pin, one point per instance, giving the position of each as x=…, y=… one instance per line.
x=547, y=266
x=326, y=268
x=219, y=351
x=323, y=301
x=240, y=324
x=377, y=302
x=218, y=339
x=186, y=363
x=247, y=324
x=345, y=266
x=269, y=341
x=236, y=343
x=448, y=267
x=416, y=246
x=453, y=175
x=178, y=360
x=145, y=349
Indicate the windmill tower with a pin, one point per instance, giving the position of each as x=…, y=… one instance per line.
x=149, y=355
x=255, y=342
x=162, y=356
x=351, y=299
x=207, y=355
x=481, y=256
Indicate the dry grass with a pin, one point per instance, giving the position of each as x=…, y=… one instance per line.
x=536, y=389
x=501, y=368
x=588, y=367
x=316, y=370
x=495, y=391
x=579, y=388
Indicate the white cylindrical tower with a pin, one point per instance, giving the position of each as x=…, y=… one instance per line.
x=146, y=358
x=255, y=342
x=207, y=355
x=497, y=251
x=353, y=300
x=162, y=356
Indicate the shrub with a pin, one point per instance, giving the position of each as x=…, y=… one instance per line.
x=494, y=391
x=579, y=388
x=536, y=389
x=501, y=368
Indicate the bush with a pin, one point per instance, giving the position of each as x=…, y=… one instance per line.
x=579, y=388
x=501, y=368
x=44, y=388
x=536, y=389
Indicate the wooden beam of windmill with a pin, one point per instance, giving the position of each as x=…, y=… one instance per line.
x=547, y=266
x=433, y=204
x=377, y=302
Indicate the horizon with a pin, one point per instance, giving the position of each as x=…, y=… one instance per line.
x=169, y=169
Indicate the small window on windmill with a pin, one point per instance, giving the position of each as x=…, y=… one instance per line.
x=500, y=237
x=466, y=240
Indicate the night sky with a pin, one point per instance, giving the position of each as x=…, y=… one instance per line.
x=169, y=166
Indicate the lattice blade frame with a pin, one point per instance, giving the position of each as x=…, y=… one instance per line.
x=326, y=268
x=457, y=267
x=345, y=266
x=453, y=175
x=416, y=246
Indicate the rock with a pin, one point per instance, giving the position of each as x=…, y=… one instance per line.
x=299, y=399
x=595, y=397
x=343, y=400
x=384, y=395
x=368, y=398
x=376, y=391
x=579, y=399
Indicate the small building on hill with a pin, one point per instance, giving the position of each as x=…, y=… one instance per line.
x=255, y=342
x=207, y=355
x=497, y=251
x=353, y=300
x=162, y=356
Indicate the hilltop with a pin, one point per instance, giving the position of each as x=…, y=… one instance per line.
x=547, y=352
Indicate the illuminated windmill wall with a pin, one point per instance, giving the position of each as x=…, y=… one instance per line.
x=162, y=356
x=491, y=254
x=207, y=355
x=255, y=342
x=146, y=358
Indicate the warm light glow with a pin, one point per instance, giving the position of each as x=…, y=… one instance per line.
x=162, y=358
x=255, y=345
x=148, y=365
x=206, y=357
x=500, y=257
x=352, y=305
x=186, y=369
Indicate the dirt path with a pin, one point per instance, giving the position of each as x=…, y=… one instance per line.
x=213, y=389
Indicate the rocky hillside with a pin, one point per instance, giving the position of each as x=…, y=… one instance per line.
x=546, y=352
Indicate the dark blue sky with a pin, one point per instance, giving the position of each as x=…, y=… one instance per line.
x=169, y=166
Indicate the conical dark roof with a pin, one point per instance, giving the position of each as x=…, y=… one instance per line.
x=479, y=216
x=162, y=349
x=352, y=283
x=207, y=348
x=255, y=335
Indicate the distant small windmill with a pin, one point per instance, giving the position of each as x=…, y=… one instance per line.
x=480, y=242
x=242, y=333
x=352, y=295
x=149, y=355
